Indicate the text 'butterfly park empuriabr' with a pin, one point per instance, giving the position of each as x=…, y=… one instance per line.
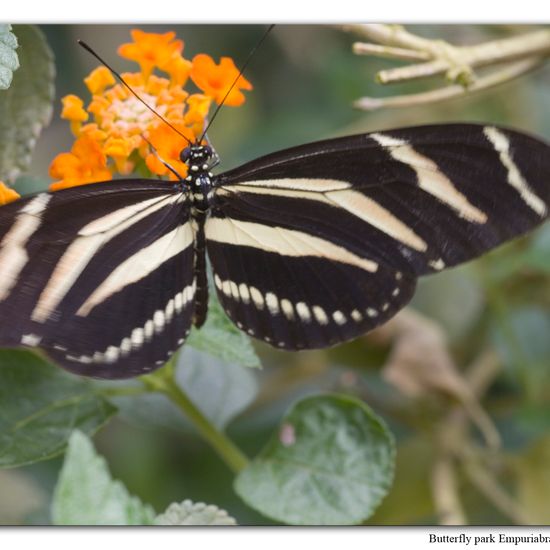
x=309, y=246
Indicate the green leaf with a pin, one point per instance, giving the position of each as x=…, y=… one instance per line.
x=221, y=338
x=8, y=56
x=221, y=391
x=86, y=494
x=40, y=406
x=194, y=513
x=331, y=463
x=27, y=106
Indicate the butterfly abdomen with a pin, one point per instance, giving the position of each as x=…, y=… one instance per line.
x=201, y=295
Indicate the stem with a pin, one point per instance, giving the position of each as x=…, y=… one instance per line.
x=486, y=483
x=163, y=382
x=443, y=56
x=445, y=492
x=123, y=391
x=515, y=56
x=390, y=35
x=511, y=71
x=508, y=49
x=412, y=72
x=366, y=48
x=483, y=371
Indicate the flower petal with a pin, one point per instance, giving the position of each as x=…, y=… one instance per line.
x=216, y=80
x=86, y=163
x=151, y=50
x=7, y=194
x=99, y=79
x=73, y=109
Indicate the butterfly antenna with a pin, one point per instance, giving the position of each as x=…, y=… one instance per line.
x=241, y=71
x=155, y=152
x=129, y=88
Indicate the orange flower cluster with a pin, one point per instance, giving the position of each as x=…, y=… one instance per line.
x=114, y=133
x=7, y=194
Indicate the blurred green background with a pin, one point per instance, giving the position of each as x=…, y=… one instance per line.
x=305, y=79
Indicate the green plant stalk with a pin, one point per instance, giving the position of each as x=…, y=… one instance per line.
x=123, y=391
x=163, y=381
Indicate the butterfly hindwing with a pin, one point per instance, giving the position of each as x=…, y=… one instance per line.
x=300, y=301
x=100, y=276
x=348, y=224
x=295, y=278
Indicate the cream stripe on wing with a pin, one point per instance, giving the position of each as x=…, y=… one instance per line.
x=315, y=185
x=353, y=202
x=502, y=145
x=286, y=242
x=430, y=178
x=127, y=215
x=13, y=255
x=79, y=253
x=140, y=265
x=273, y=191
x=370, y=211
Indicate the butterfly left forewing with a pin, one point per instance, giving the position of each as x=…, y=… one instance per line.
x=100, y=277
x=348, y=224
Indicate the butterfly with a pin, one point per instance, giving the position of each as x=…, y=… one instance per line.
x=309, y=247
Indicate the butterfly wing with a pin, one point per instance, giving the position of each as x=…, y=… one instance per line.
x=109, y=291
x=320, y=243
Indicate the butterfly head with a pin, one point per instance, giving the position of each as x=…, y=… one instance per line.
x=196, y=154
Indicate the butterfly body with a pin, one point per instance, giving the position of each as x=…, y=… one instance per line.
x=199, y=185
x=309, y=247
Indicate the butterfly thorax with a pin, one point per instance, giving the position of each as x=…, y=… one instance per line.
x=199, y=160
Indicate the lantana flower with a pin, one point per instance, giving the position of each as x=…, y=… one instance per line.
x=85, y=163
x=117, y=134
x=215, y=80
x=7, y=194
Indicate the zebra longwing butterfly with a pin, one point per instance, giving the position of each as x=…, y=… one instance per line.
x=310, y=246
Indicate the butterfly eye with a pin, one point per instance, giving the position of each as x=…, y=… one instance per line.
x=185, y=154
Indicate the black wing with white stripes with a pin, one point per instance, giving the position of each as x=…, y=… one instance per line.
x=310, y=246
x=321, y=243
x=99, y=276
